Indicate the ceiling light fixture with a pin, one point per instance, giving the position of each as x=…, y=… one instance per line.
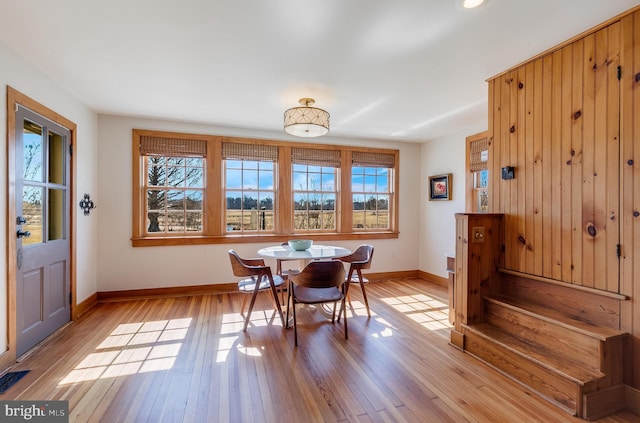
x=306, y=121
x=470, y=4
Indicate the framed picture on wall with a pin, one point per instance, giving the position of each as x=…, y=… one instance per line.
x=440, y=187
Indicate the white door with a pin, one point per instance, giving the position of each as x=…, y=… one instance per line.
x=42, y=228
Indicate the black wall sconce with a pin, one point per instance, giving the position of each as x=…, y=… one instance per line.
x=87, y=204
x=508, y=172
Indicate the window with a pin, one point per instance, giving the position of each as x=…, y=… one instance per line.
x=314, y=188
x=206, y=189
x=249, y=187
x=173, y=186
x=371, y=190
x=478, y=173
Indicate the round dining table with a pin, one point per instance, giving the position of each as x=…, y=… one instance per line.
x=315, y=252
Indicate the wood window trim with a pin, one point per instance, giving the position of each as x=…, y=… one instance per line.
x=213, y=224
x=471, y=200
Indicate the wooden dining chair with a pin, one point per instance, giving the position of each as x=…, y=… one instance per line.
x=319, y=282
x=257, y=277
x=358, y=260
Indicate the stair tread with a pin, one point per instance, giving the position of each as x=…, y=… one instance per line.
x=599, y=332
x=562, y=365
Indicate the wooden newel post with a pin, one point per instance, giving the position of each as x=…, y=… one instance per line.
x=479, y=244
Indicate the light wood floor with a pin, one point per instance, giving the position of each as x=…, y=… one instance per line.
x=187, y=359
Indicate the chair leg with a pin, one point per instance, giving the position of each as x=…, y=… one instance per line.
x=345, y=290
x=288, y=304
x=364, y=292
x=275, y=298
x=346, y=333
x=295, y=324
x=253, y=300
x=351, y=269
x=283, y=287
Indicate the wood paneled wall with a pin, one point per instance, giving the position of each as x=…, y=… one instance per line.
x=556, y=120
x=569, y=122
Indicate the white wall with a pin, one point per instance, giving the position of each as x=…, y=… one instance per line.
x=438, y=226
x=122, y=267
x=17, y=73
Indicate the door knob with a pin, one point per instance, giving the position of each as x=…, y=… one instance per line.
x=23, y=234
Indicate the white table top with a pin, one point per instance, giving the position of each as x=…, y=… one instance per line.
x=315, y=252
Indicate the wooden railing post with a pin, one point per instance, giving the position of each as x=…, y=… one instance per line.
x=479, y=253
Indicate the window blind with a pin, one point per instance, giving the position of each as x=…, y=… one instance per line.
x=174, y=147
x=238, y=151
x=479, y=155
x=367, y=159
x=315, y=157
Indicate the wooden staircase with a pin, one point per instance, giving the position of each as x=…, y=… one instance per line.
x=574, y=364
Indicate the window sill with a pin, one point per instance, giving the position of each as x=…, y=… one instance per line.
x=248, y=239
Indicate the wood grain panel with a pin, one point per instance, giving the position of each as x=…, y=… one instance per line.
x=555, y=121
x=547, y=178
x=537, y=179
x=575, y=160
x=528, y=159
x=612, y=279
x=565, y=164
x=630, y=187
x=598, y=208
x=588, y=160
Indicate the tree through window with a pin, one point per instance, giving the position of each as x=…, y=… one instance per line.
x=174, y=185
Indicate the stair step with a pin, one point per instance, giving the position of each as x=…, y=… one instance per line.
x=561, y=365
x=552, y=316
x=494, y=349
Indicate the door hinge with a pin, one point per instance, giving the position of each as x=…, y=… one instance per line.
x=71, y=149
x=619, y=73
x=70, y=297
x=619, y=250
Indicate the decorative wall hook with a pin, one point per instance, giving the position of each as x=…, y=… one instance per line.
x=87, y=204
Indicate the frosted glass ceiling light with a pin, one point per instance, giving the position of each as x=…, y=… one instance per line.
x=470, y=4
x=306, y=121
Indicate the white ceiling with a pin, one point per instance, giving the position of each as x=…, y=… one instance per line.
x=406, y=70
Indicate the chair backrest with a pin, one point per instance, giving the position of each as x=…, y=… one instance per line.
x=361, y=257
x=245, y=267
x=320, y=274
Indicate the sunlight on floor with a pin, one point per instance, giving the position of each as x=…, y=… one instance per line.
x=232, y=324
x=133, y=348
x=430, y=312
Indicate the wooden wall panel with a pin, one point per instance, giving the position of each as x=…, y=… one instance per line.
x=612, y=277
x=630, y=189
x=577, y=133
x=555, y=120
x=545, y=208
x=538, y=176
x=588, y=158
x=565, y=165
x=555, y=184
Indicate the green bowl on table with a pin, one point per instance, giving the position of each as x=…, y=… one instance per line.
x=300, y=244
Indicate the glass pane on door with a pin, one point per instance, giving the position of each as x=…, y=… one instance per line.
x=32, y=212
x=56, y=158
x=56, y=214
x=32, y=154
